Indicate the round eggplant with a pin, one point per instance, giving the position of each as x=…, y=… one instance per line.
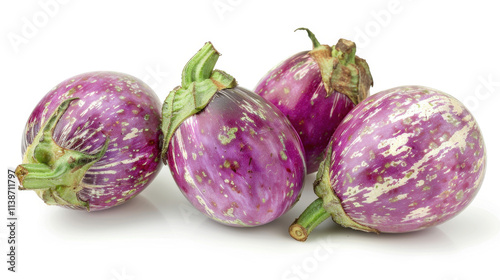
x=402, y=160
x=315, y=90
x=234, y=156
x=92, y=142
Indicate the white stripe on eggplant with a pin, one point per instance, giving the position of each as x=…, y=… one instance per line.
x=456, y=141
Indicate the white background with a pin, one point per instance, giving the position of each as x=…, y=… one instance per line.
x=451, y=46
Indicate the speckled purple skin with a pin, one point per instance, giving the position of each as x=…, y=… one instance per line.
x=239, y=160
x=112, y=105
x=406, y=159
x=296, y=88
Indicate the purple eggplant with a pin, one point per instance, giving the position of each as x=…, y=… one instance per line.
x=93, y=142
x=402, y=160
x=233, y=155
x=315, y=90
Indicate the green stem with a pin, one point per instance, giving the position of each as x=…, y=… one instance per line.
x=351, y=74
x=200, y=66
x=328, y=204
x=311, y=36
x=35, y=176
x=314, y=215
x=345, y=51
x=200, y=82
x=66, y=170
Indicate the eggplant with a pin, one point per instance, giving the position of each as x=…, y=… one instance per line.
x=404, y=159
x=92, y=142
x=234, y=156
x=315, y=90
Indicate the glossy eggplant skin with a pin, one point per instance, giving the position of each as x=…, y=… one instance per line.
x=107, y=108
x=239, y=161
x=295, y=87
x=402, y=160
x=406, y=159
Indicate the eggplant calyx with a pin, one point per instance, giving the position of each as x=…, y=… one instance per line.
x=327, y=205
x=54, y=172
x=322, y=55
x=341, y=70
x=331, y=202
x=351, y=74
x=199, y=84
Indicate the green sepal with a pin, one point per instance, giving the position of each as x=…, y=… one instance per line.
x=331, y=202
x=54, y=172
x=341, y=70
x=199, y=84
x=327, y=205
